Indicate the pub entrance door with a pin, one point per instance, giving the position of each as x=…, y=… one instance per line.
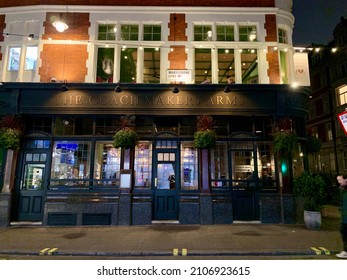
x=166, y=182
x=33, y=181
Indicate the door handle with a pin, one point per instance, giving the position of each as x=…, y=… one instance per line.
x=155, y=182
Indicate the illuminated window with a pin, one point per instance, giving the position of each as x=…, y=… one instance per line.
x=282, y=36
x=128, y=65
x=14, y=59
x=203, y=65
x=219, y=165
x=107, y=32
x=225, y=33
x=30, y=58
x=151, y=66
x=189, y=166
x=248, y=33
x=143, y=164
x=249, y=66
x=342, y=94
x=129, y=32
x=202, y=33
x=71, y=163
x=226, y=66
x=107, y=163
x=151, y=32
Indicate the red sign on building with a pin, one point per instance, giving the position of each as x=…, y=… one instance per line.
x=343, y=120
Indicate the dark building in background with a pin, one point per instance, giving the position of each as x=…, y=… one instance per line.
x=328, y=72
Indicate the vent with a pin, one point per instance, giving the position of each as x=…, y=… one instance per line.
x=61, y=219
x=96, y=219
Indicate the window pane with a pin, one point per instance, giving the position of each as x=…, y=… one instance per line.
x=14, y=58
x=33, y=176
x=202, y=66
x=107, y=32
x=225, y=33
x=128, y=65
x=189, y=167
x=152, y=33
x=105, y=65
x=129, y=32
x=249, y=64
x=73, y=126
x=107, y=163
x=70, y=163
x=248, y=33
x=151, y=65
x=202, y=33
x=30, y=58
x=219, y=165
x=143, y=164
x=226, y=65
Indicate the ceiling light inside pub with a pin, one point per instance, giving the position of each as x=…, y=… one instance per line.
x=60, y=25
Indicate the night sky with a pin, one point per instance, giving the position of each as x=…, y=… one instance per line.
x=315, y=20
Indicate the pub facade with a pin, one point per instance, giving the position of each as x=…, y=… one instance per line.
x=157, y=68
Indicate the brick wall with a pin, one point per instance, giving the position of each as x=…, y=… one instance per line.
x=65, y=61
x=178, y=57
x=272, y=55
x=274, y=66
x=186, y=3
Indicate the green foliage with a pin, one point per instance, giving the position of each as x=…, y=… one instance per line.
x=10, y=138
x=313, y=145
x=205, y=139
x=312, y=188
x=125, y=138
x=285, y=144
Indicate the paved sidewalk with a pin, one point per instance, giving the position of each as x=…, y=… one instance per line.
x=161, y=240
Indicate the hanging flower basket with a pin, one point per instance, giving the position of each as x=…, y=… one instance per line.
x=205, y=137
x=125, y=138
x=10, y=132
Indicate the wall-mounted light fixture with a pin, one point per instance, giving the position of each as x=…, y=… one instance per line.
x=118, y=88
x=64, y=86
x=227, y=89
x=60, y=25
x=175, y=90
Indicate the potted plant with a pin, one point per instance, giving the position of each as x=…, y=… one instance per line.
x=10, y=132
x=126, y=137
x=313, y=145
x=205, y=137
x=312, y=188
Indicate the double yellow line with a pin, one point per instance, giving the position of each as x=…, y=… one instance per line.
x=320, y=251
x=48, y=251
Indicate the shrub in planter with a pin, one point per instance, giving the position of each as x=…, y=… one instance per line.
x=312, y=188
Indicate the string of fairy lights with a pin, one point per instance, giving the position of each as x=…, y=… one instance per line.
x=150, y=44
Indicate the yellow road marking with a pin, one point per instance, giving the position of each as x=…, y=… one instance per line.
x=184, y=252
x=326, y=251
x=50, y=252
x=175, y=252
x=318, y=252
x=43, y=251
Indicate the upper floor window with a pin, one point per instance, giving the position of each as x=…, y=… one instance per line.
x=14, y=59
x=202, y=33
x=248, y=33
x=107, y=32
x=151, y=65
x=30, y=58
x=225, y=33
x=342, y=95
x=282, y=36
x=130, y=32
x=151, y=32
